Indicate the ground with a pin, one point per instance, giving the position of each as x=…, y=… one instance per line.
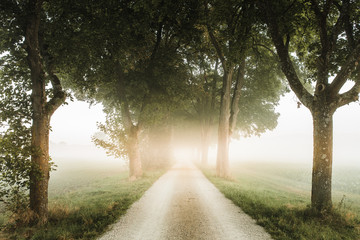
x=183, y=204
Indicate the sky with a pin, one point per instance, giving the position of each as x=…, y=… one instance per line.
x=292, y=140
x=75, y=123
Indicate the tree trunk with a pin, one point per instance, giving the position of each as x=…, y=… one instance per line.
x=322, y=158
x=205, y=115
x=205, y=134
x=240, y=78
x=132, y=130
x=222, y=160
x=208, y=120
x=134, y=154
x=39, y=175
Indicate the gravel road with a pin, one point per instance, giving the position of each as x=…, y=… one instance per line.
x=183, y=204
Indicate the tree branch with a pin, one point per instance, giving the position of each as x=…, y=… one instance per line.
x=240, y=78
x=286, y=64
x=59, y=95
x=350, y=96
x=344, y=11
x=213, y=90
x=145, y=102
x=351, y=63
x=266, y=47
x=126, y=116
x=218, y=49
x=323, y=59
x=158, y=40
x=124, y=105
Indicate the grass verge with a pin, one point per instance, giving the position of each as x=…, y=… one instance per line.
x=86, y=211
x=283, y=210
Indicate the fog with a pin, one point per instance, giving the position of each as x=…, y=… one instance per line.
x=70, y=156
x=291, y=142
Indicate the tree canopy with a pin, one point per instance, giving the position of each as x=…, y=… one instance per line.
x=158, y=65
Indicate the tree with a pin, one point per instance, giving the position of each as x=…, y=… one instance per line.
x=24, y=21
x=233, y=30
x=136, y=76
x=203, y=103
x=208, y=109
x=324, y=35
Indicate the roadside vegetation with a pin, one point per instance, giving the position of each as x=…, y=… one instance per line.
x=82, y=204
x=277, y=196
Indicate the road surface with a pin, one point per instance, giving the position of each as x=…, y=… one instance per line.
x=183, y=204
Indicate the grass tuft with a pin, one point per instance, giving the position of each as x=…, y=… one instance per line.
x=87, y=211
x=284, y=212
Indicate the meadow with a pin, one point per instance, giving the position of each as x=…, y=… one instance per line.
x=84, y=199
x=277, y=195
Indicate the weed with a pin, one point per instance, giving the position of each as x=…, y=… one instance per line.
x=283, y=210
x=87, y=210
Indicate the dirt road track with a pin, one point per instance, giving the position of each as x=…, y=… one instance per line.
x=183, y=204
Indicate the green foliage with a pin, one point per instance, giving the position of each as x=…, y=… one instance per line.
x=129, y=59
x=15, y=134
x=309, y=39
x=261, y=91
x=112, y=136
x=238, y=34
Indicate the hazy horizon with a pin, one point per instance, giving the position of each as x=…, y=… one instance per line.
x=291, y=141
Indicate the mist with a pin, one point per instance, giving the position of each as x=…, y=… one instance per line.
x=290, y=142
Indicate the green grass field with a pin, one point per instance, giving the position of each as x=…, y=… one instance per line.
x=84, y=201
x=278, y=197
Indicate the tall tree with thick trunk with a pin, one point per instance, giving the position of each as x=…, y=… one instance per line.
x=230, y=48
x=42, y=110
x=325, y=37
x=222, y=158
x=251, y=85
x=132, y=146
x=206, y=105
x=207, y=115
x=26, y=30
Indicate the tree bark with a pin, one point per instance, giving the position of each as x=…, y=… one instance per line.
x=222, y=160
x=134, y=154
x=208, y=120
x=132, y=130
x=322, y=158
x=42, y=112
x=240, y=78
x=39, y=175
x=205, y=134
x=135, y=168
